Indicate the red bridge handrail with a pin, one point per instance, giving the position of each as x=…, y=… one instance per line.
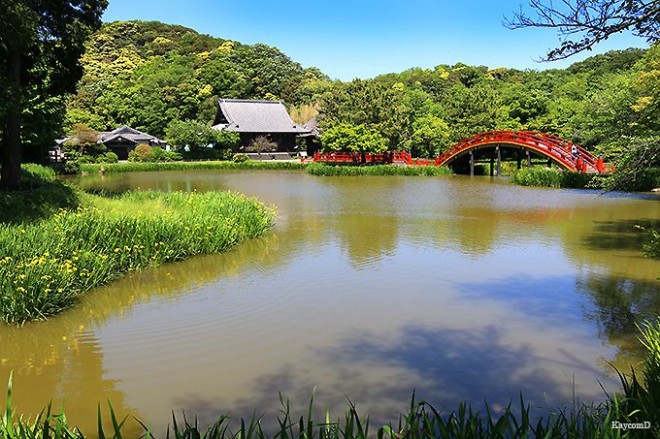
x=550, y=145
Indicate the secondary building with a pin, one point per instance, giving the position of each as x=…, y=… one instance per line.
x=124, y=140
x=121, y=141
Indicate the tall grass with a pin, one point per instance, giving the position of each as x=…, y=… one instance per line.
x=546, y=177
x=330, y=170
x=638, y=406
x=183, y=166
x=44, y=265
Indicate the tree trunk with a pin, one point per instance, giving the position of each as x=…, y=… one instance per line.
x=10, y=156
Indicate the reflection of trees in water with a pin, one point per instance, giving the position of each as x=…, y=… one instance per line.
x=68, y=368
x=62, y=358
x=367, y=238
x=621, y=283
x=476, y=230
x=366, y=222
x=619, y=304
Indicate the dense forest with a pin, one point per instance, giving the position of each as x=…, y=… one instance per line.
x=152, y=76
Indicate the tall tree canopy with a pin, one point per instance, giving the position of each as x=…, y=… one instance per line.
x=585, y=23
x=41, y=42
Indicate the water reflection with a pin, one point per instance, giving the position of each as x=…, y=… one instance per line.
x=367, y=287
x=618, y=305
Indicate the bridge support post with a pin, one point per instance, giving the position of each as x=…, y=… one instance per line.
x=519, y=159
x=492, y=164
x=499, y=161
x=529, y=158
x=471, y=163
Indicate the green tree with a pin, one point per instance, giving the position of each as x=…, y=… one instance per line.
x=345, y=137
x=40, y=47
x=377, y=106
x=196, y=136
x=430, y=136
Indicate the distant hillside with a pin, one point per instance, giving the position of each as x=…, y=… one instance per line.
x=149, y=74
x=146, y=74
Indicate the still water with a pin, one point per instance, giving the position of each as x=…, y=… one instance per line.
x=367, y=288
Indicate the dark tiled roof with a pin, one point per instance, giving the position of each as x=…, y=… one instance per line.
x=312, y=126
x=248, y=116
x=128, y=133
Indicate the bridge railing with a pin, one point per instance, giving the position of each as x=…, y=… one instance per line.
x=568, y=153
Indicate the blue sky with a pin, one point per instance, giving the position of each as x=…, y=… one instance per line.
x=363, y=38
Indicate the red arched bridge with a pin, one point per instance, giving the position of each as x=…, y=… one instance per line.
x=564, y=153
x=490, y=145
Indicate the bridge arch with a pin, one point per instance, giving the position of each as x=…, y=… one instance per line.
x=566, y=154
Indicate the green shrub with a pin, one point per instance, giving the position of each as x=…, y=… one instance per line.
x=42, y=197
x=141, y=153
x=36, y=175
x=354, y=171
x=206, y=154
x=71, y=168
x=86, y=158
x=147, y=154
x=110, y=157
x=240, y=158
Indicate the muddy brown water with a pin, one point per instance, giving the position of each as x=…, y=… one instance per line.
x=462, y=289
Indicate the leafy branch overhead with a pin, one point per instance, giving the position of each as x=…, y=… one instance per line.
x=585, y=23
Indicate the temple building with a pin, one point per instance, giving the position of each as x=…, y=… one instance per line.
x=254, y=119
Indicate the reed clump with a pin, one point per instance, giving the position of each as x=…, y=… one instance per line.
x=45, y=263
x=547, y=177
x=184, y=166
x=344, y=170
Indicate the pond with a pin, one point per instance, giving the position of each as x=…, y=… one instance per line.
x=462, y=289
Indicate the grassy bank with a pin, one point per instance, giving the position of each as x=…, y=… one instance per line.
x=49, y=259
x=330, y=170
x=312, y=168
x=637, y=406
x=184, y=166
x=546, y=177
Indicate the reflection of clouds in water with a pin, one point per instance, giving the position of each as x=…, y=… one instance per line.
x=368, y=288
x=379, y=374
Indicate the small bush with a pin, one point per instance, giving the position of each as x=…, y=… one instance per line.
x=110, y=157
x=206, y=154
x=141, y=153
x=147, y=154
x=42, y=196
x=33, y=174
x=240, y=158
x=86, y=158
x=71, y=168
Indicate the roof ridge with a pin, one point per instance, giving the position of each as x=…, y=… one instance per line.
x=258, y=101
